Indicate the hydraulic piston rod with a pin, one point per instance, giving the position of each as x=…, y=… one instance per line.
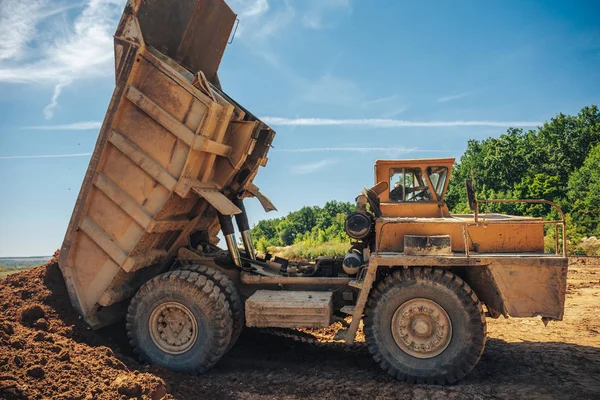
x=229, y=234
x=244, y=227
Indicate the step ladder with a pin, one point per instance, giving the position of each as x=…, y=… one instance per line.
x=363, y=282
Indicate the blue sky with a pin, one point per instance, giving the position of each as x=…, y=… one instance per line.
x=343, y=82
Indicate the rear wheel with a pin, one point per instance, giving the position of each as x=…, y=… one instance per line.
x=236, y=305
x=180, y=320
x=425, y=325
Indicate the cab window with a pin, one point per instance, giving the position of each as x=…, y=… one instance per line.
x=438, y=177
x=408, y=184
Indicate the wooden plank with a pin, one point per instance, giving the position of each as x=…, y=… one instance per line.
x=103, y=240
x=146, y=163
x=160, y=115
x=122, y=199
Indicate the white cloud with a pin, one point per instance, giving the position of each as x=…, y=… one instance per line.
x=81, y=51
x=457, y=96
x=304, y=169
x=46, y=156
x=249, y=9
x=75, y=126
x=321, y=14
x=17, y=26
x=385, y=151
x=259, y=21
x=49, y=109
x=349, y=149
x=294, y=122
x=261, y=25
x=389, y=123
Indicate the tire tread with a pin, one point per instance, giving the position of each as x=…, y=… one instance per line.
x=211, y=299
x=476, y=317
x=236, y=305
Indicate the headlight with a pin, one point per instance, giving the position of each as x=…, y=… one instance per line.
x=358, y=225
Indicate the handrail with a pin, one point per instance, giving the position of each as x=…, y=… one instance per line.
x=556, y=223
x=562, y=221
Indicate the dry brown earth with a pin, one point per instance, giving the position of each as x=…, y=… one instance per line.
x=46, y=351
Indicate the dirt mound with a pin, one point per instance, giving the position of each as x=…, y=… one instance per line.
x=46, y=351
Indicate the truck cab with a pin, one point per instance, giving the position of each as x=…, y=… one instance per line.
x=416, y=188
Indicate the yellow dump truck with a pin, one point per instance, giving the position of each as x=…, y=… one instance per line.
x=174, y=161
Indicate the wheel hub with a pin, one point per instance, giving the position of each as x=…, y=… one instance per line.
x=173, y=328
x=421, y=328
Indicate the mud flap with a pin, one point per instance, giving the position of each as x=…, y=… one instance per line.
x=522, y=290
x=531, y=291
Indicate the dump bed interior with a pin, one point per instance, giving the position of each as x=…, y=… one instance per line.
x=172, y=150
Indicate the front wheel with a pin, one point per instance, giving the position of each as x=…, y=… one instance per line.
x=180, y=320
x=425, y=325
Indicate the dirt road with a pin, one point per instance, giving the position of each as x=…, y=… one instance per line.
x=47, y=352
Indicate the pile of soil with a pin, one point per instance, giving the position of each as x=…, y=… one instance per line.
x=47, y=351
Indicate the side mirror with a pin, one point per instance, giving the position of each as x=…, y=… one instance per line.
x=471, y=196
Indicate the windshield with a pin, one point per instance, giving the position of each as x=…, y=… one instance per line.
x=408, y=184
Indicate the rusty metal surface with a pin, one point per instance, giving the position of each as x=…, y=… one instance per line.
x=192, y=32
x=432, y=208
x=172, y=147
x=426, y=245
x=501, y=256
x=531, y=291
x=520, y=289
x=517, y=236
x=289, y=309
x=562, y=221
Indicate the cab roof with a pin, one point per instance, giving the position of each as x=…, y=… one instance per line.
x=416, y=161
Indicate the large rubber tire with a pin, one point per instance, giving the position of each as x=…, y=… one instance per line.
x=206, y=303
x=461, y=305
x=236, y=305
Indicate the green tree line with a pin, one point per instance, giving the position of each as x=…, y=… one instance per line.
x=309, y=226
x=559, y=161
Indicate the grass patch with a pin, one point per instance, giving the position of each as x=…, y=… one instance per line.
x=6, y=271
x=300, y=251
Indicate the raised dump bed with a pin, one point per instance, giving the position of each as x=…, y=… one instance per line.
x=172, y=150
